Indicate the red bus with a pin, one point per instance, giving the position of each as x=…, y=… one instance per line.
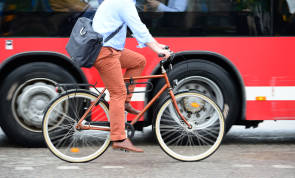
x=238, y=52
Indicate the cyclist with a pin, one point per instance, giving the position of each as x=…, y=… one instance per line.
x=113, y=56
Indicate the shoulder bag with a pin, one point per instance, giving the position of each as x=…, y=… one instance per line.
x=85, y=44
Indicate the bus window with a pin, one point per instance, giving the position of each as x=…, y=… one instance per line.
x=1, y=10
x=1, y=7
x=207, y=17
x=68, y=5
x=291, y=6
x=166, y=5
x=198, y=18
x=74, y=5
x=284, y=18
x=43, y=17
x=254, y=17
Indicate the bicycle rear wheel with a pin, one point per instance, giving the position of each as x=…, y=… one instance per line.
x=181, y=142
x=59, y=127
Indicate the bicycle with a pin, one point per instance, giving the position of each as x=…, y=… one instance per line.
x=189, y=126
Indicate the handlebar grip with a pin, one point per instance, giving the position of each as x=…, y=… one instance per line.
x=161, y=55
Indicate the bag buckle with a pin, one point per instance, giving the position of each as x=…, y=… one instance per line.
x=82, y=33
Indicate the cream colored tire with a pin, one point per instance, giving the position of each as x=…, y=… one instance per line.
x=59, y=131
x=181, y=142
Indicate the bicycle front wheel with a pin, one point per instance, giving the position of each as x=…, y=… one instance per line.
x=59, y=127
x=184, y=143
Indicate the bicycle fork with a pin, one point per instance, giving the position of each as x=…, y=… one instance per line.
x=173, y=98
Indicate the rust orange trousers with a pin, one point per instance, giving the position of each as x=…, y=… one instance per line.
x=109, y=65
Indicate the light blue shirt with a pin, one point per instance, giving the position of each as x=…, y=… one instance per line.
x=111, y=14
x=173, y=6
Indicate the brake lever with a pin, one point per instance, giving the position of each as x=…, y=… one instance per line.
x=170, y=60
x=170, y=67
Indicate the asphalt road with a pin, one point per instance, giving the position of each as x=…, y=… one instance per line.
x=268, y=151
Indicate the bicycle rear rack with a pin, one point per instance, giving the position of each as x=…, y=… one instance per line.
x=66, y=86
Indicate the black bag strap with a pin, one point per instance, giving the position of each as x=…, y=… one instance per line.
x=113, y=34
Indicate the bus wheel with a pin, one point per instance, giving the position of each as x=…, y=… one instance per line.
x=210, y=80
x=25, y=94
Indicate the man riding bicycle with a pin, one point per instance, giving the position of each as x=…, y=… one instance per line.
x=110, y=15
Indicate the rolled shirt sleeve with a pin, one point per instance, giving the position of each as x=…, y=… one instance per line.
x=130, y=16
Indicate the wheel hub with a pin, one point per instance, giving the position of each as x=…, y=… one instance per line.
x=198, y=114
x=33, y=101
x=193, y=105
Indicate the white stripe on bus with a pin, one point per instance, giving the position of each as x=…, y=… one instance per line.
x=271, y=93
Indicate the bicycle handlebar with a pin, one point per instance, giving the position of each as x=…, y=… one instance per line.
x=163, y=55
x=168, y=60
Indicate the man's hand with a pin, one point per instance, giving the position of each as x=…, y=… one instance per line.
x=152, y=4
x=159, y=49
x=166, y=52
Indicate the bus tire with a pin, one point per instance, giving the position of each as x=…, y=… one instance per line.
x=25, y=93
x=209, y=79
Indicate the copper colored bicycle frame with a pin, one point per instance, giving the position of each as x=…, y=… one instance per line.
x=166, y=86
